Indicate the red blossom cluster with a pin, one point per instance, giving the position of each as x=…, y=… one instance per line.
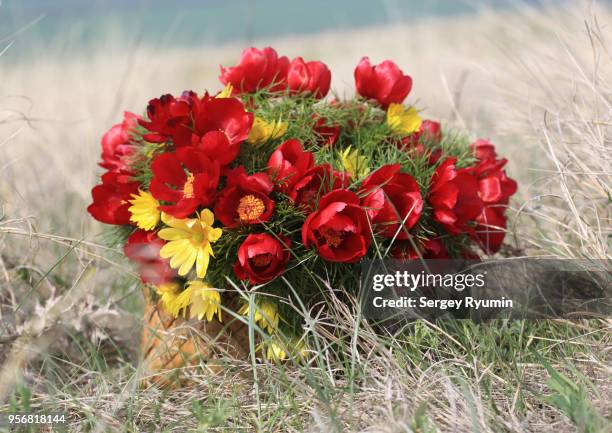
x=197, y=165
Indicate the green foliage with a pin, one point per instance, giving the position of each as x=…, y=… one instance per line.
x=421, y=422
x=208, y=416
x=114, y=236
x=572, y=400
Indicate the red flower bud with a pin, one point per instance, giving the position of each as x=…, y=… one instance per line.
x=327, y=135
x=116, y=146
x=483, y=149
x=454, y=197
x=142, y=248
x=339, y=228
x=495, y=189
x=256, y=70
x=262, y=257
x=393, y=201
x=308, y=77
x=110, y=199
x=317, y=181
x=384, y=82
x=288, y=163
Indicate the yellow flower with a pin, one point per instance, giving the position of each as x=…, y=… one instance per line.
x=265, y=315
x=226, y=92
x=354, y=163
x=264, y=130
x=169, y=294
x=275, y=351
x=204, y=301
x=189, y=242
x=145, y=210
x=402, y=120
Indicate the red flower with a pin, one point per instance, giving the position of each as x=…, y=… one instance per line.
x=491, y=229
x=116, y=147
x=219, y=126
x=245, y=199
x=142, y=248
x=317, y=181
x=384, y=82
x=428, y=249
x=483, y=149
x=495, y=189
x=110, y=199
x=429, y=133
x=262, y=257
x=327, y=135
x=494, y=186
x=257, y=69
x=168, y=118
x=434, y=156
x=339, y=228
x=288, y=163
x=186, y=179
x=393, y=201
x=454, y=197
x=308, y=77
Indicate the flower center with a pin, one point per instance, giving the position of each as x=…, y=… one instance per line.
x=250, y=208
x=333, y=238
x=262, y=260
x=188, y=187
x=197, y=237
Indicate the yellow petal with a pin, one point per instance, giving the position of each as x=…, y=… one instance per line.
x=169, y=234
x=244, y=310
x=207, y=217
x=215, y=234
x=202, y=263
x=226, y=92
x=180, y=257
x=188, y=263
x=402, y=120
x=173, y=247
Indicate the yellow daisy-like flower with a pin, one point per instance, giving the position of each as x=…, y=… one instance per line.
x=226, y=92
x=402, y=120
x=189, y=242
x=263, y=130
x=169, y=295
x=204, y=301
x=354, y=163
x=145, y=210
x=265, y=315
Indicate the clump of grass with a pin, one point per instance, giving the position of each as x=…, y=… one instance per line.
x=572, y=400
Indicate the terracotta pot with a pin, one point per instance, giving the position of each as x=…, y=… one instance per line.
x=170, y=346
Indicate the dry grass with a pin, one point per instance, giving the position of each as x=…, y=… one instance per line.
x=538, y=83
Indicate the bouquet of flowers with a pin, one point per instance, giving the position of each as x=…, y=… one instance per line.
x=276, y=188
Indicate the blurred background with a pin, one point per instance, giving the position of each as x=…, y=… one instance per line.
x=195, y=22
